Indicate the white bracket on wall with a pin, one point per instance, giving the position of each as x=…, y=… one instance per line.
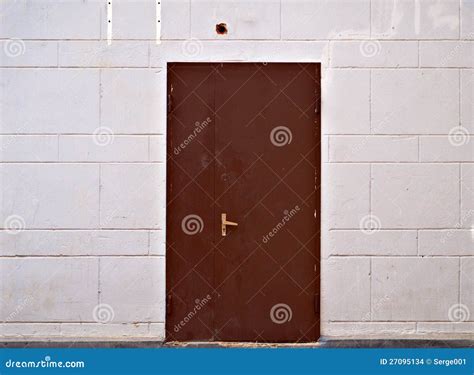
x=158, y=21
x=109, y=22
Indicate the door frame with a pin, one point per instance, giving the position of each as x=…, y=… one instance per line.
x=280, y=56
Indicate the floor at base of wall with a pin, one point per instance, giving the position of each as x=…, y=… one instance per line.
x=323, y=343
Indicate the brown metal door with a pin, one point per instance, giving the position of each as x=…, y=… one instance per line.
x=244, y=140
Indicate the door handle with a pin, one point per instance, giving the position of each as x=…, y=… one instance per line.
x=224, y=224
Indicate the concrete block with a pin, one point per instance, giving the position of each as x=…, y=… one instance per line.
x=456, y=54
x=104, y=331
x=420, y=19
x=415, y=195
x=132, y=196
x=345, y=288
x=45, y=196
x=348, y=198
x=467, y=98
x=374, y=53
x=30, y=99
x=245, y=19
x=450, y=328
x=158, y=331
x=15, y=148
x=132, y=19
x=419, y=101
x=453, y=147
x=101, y=54
x=467, y=196
x=357, y=330
x=157, y=148
x=373, y=148
x=446, y=242
x=104, y=146
x=175, y=19
x=466, y=310
x=325, y=19
x=74, y=242
x=17, y=52
x=51, y=19
x=20, y=331
x=157, y=242
x=132, y=100
x=414, y=289
x=345, y=101
x=467, y=15
x=122, y=282
x=381, y=242
x=325, y=148
x=221, y=51
x=46, y=289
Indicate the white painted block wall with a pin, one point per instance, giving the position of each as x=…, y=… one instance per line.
x=83, y=154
